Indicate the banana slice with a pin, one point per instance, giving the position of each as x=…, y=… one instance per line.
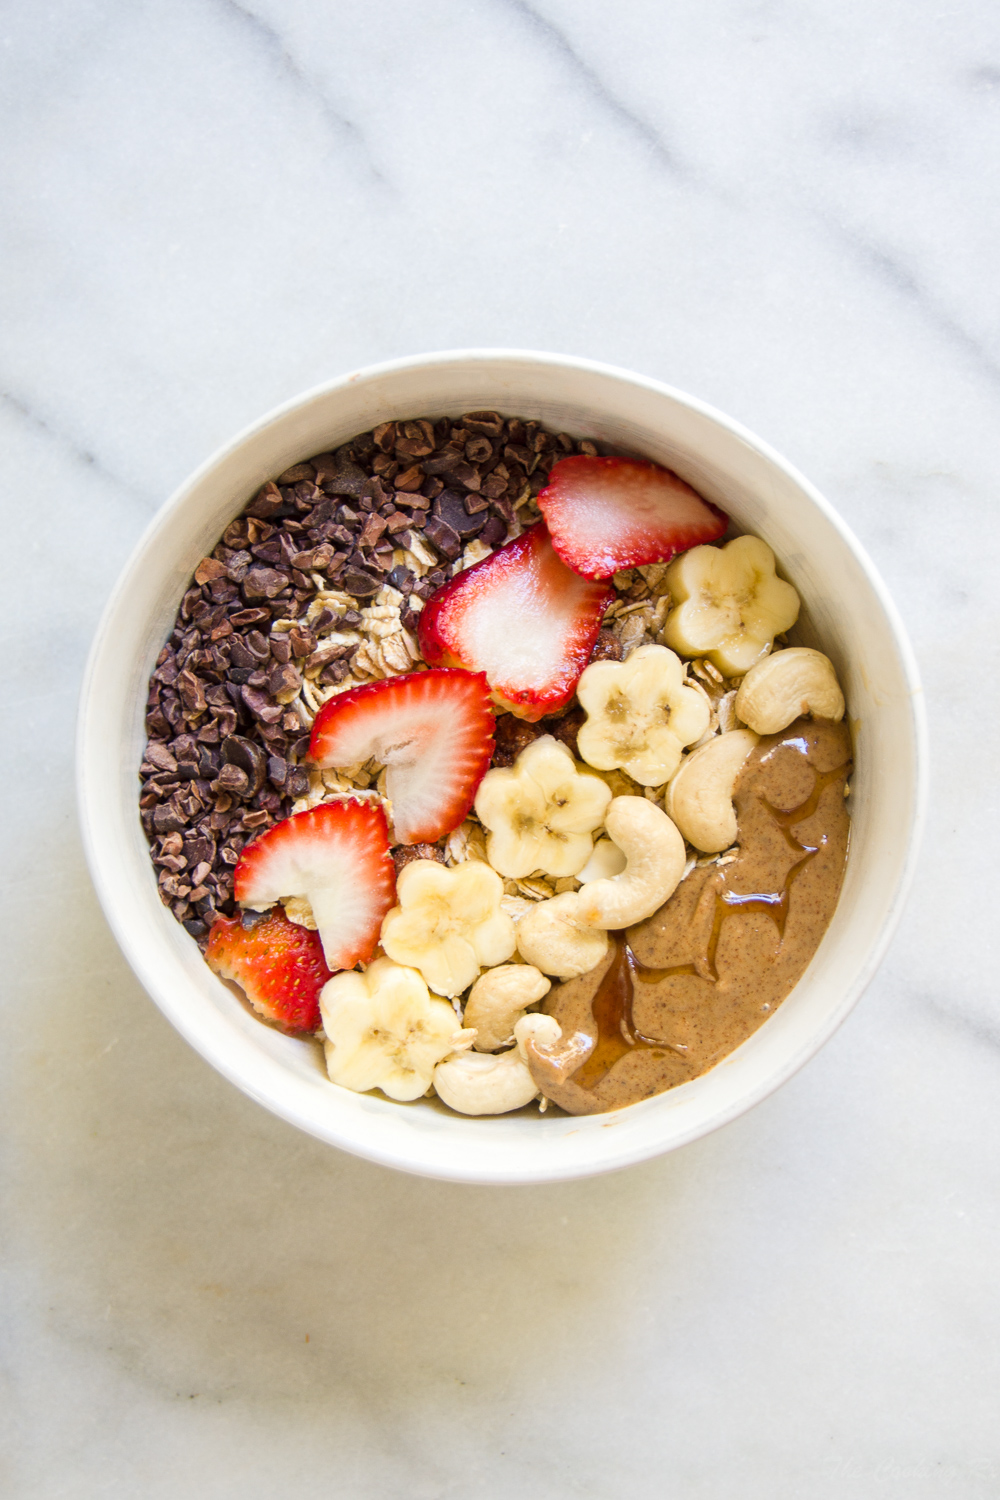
x=384, y=1031
x=730, y=604
x=640, y=714
x=605, y=863
x=448, y=923
x=541, y=812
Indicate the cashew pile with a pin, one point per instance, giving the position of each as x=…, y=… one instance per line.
x=477, y=1083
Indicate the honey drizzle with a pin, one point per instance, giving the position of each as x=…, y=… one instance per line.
x=612, y=1006
x=805, y=809
x=773, y=903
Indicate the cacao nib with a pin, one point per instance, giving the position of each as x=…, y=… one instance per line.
x=405, y=854
x=263, y=583
x=494, y=532
x=443, y=537
x=607, y=647
x=402, y=579
x=242, y=754
x=246, y=617
x=490, y=423
x=360, y=584
x=513, y=735
x=344, y=477
x=451, y=508
x=160, y=757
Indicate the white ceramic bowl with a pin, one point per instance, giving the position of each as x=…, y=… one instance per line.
x=846, y=612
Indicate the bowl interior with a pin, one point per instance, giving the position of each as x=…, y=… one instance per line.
x=845, y=612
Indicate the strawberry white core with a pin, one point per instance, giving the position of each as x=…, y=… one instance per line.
x=521, y=617
x=519, y=630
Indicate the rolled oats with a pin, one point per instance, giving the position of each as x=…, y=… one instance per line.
x=516, y=907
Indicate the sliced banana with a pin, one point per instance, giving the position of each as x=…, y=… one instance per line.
x=385, y=1031
x=700, y=797
x=448, y=923
x=795, y=681
x=606, y=861
x=640, y=715
x=730, y=604
x=540, y=812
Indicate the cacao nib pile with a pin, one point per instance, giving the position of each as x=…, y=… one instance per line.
x=221, y=760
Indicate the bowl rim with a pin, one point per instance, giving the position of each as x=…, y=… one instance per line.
x=552, y=1171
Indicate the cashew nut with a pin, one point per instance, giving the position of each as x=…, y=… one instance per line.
x=655, y=858
x=499, y=998
x=536, y=1030
x=554, y=939
x=477, y=1083
x=700, y=797
x=786, y=684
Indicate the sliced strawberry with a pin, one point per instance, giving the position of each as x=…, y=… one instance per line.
x=279, y=965
x=605, y=514
x=433, y=732
x=337, y=856
x=522, y=617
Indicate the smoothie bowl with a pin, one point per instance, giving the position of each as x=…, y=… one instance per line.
x=501, y=766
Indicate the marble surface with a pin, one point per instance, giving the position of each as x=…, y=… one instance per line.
x=788, y=209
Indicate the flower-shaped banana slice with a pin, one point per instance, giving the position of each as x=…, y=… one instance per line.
x=541, y=812
x=448, y=923
x=640, y=714
x=384, y=1031
x=730, y=604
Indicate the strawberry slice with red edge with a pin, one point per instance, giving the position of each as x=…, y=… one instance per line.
x=606, y=514
x=337, y=856
x=522, y=617
x=279, y=965
x=433, y=732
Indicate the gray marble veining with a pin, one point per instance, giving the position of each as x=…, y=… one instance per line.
x=789, y=209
